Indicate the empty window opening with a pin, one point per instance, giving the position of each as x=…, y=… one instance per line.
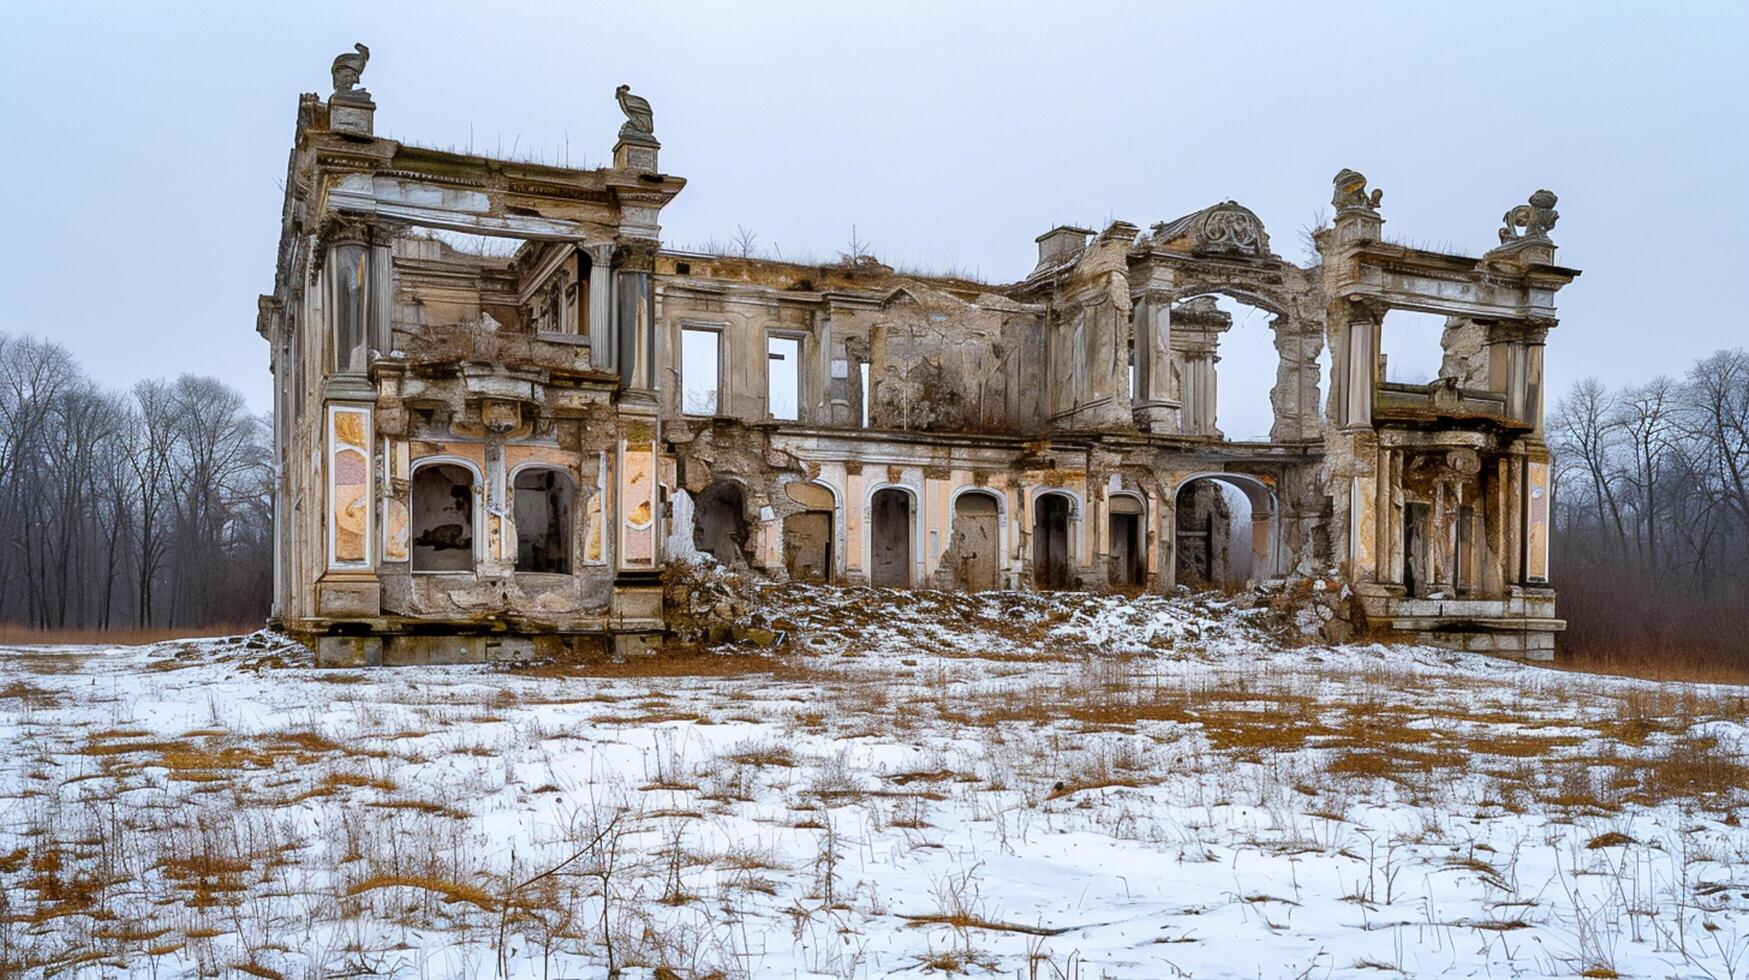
x=1409, y=345
x=783, y=357
x=1050, y=541
x=1129, y=549
x=1227, y=367
x=862, y=367
x=700, y=361
x=542, y=508
x=975, y=551
x=1225, y=531
x=890, y=539
x=719, y=526
x=1134, y=377
x=443, y=518
x=1325, y=382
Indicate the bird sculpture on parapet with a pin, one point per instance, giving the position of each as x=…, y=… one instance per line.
x=640, y=124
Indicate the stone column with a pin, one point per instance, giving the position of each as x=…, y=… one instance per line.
x=635, y=326
x=1197, y=395
x=1154, y=407
x=601, y=332
x=1357, y=366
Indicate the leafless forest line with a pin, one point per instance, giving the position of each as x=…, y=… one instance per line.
x=150, y=508
x=1652, y=520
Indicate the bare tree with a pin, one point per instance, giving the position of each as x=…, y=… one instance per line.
x=1582, y=425
x=106, y=500
x=746, y=243
x=1653, y=539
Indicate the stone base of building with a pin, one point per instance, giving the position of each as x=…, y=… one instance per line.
x=391, y=649
x=1522, y=625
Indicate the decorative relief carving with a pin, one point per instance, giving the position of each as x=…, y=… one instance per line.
x=1231, y=228
x=1228, y=228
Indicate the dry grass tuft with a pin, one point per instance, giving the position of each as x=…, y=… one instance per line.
x=451, y=891
x=671, y=661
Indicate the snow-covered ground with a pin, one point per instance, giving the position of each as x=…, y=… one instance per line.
x=917, y=783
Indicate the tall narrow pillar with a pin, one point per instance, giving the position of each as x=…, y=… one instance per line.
x=1358, y=366
x=1154, y=404
x=601, y=327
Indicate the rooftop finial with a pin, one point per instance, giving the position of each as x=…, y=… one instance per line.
x=1351, y=192
x=1531, y=220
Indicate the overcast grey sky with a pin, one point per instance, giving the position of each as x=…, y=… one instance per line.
x=145, y=144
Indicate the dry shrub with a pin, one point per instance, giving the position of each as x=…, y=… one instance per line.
x=1622, y=619
x=1695, y=767
x=759, y=754
x=29, y=694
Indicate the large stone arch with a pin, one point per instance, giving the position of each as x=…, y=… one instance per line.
x=1223, y=250
x=1266, y=559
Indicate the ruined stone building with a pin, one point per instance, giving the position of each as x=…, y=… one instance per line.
x=493, y=451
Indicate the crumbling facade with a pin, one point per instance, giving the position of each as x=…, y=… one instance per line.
x=493, y=451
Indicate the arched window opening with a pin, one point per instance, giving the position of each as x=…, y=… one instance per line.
x=975, y=550
x=1129, y=548
x=720, y=524
x=542, y=510
x=443, y=518
x=1050, y=541
x=890, y=539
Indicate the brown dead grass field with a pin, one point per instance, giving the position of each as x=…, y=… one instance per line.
x=197, y=821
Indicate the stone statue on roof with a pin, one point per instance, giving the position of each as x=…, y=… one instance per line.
x=347, y=70
x=640, y=124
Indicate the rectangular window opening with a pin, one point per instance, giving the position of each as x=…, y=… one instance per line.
x=783, y=377
x=700, y=360
x=863, y=368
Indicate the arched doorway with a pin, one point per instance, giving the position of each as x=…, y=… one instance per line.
x=1225, y=531
x=808, y=534
x=975, y=551
x=1128, y=541
x=719, y=523
x=541, y=511
x=1050, y=540
x=442, y=528
x=889, y=537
